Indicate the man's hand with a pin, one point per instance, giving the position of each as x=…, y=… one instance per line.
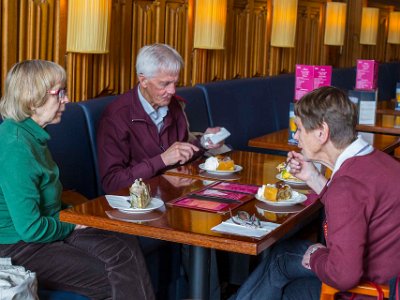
x=179, y=152
x=210, y=144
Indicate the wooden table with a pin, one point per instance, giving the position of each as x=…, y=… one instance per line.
x=385, y=124
x=257, y=168
x=279, y=141
x=193, y=227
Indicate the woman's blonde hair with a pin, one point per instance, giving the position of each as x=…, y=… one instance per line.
x=26, y=87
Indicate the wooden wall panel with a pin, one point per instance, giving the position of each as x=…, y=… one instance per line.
x=33, y=29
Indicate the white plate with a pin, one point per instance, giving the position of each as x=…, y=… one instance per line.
x=296, y=199
x=218, y=172
x=290, y=181
x=121, y=203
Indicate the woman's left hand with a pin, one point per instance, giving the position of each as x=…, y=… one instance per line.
x=77, y=227
x=307, y=256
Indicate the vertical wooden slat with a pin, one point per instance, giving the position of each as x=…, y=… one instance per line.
x=9, y=11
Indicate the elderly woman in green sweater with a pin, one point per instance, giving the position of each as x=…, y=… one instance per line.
x=88, y=261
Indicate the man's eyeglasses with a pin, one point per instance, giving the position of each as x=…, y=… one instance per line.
x=243, y=218
x=61, y=93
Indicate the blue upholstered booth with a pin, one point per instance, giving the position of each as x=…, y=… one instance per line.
x=70, y=147
x=242, y=106
x=281, y=92
x=92, y=111
x=196, y=109
x=388, y=76
x=344, y=78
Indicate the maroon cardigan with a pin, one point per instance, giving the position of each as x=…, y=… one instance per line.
x=128, y=143
x=362, y=208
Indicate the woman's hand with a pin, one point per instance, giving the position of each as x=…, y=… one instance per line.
x=307, y=256
x=306, y=171
x=300, y=167
x=77, y=227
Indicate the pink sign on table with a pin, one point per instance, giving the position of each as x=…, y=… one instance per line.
x=367, y=74
x=322, y=76
x=304, y=81
x=237, y=187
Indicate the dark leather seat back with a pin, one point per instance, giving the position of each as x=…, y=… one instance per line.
x=72, y=151
x=196, y=108
x=93, y=109
x=243, y=107
x=344, y=78
x=388, y=76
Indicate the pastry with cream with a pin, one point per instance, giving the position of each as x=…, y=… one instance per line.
x=275, y=192
x=219, y=163
x=139, y=194
x=284, y=169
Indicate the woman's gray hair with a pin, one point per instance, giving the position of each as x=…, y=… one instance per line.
x=26, y=87
x=332, y=106
x=156, y=58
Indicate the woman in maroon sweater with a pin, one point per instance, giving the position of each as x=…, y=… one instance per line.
x=361, y=200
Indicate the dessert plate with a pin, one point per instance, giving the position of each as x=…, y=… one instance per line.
x=219, y=172
x=296, y=199
x=121, y=203
x=290, y=180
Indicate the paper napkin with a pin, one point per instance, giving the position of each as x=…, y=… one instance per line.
x=229, y=227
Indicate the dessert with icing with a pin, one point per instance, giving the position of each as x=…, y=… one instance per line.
x=275, y=192
x=284, y=170
x=139, y=194
x=219, y=163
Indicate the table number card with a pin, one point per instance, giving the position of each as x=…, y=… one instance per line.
x=366, y=102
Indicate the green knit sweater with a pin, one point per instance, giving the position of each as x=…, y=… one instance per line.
x=30, y=190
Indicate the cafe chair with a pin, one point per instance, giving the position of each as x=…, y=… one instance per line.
x=364, y=288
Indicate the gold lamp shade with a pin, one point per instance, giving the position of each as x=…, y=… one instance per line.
x=394, y=28
x=369, y=26
x=335, y=23
x=88, y=28
x=284, y=18
x=210, y=22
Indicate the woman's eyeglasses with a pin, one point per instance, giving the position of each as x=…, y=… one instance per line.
x=243, y=218
x=61, y=93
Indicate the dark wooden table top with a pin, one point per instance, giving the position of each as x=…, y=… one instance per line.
x=279, y=141
x=258, y=168
x=384, y=124
x=193, y=227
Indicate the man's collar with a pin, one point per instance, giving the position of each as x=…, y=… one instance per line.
x=146, y=105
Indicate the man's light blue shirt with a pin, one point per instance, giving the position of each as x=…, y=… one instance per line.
x=156, y=115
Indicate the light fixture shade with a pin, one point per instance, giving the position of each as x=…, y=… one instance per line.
x=394, y=28
x=369, y=26
x=284, y=18
x=88, y=27
x=335, y=23
x=210, y=23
